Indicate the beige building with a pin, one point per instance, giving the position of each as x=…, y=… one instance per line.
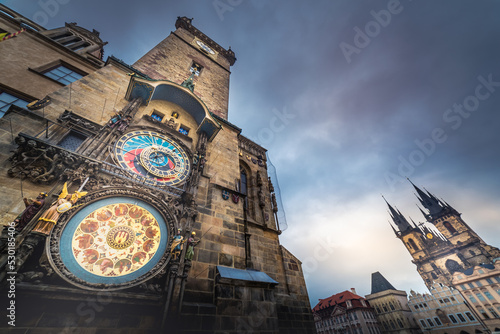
x=480, y=286
x=444, y=311
x=145, y=210
x=345, y=313
x=391, y=307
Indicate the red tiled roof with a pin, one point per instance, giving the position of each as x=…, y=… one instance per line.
x=339, y=299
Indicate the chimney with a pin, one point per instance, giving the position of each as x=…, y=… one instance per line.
x=353, y=291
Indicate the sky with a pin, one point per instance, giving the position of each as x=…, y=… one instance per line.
x=349, y=98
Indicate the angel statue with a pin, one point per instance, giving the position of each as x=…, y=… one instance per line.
x=49, y=218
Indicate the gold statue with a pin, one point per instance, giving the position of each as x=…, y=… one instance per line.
x=49, y=218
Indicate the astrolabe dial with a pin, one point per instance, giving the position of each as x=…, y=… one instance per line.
x=153, y=155
x=113, y=241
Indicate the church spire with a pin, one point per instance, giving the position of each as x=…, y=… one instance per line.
x=398, y=218
x=429, y=202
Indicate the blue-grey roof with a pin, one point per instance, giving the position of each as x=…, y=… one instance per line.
x=245, y=275
x=379, y=283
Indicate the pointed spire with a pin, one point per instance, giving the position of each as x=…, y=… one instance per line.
x=395, y=232
x=428, y=201
x=379, y=283
x=398, y=218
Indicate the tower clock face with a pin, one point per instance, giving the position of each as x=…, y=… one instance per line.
x=205, y=47
x=156, y=157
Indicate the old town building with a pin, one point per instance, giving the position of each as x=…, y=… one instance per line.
x=134, y=203
x=438, y=255
x=391, y=307
x=480, y=286
x=444, y=311
x=345, y=313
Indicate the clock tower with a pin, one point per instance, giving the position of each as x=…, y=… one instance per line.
x=437, y=255
x=150, y=213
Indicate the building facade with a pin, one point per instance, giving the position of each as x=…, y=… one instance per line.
x=444, y=311
x=480, y=286
x=345, y=313
x=391, y=307
x=439, y=255
x=134, y=204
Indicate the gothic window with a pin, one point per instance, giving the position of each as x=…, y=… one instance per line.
x=412, y=244
x=243, y=181
x=449, y=227
x=400, y=324
x=6, y=100
x=453, y=266
x=391, y=306
x=63, y=74
x=392, y=324
x=72, y=141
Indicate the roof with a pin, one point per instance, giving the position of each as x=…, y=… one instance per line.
x=379, y=283
x=339, y=299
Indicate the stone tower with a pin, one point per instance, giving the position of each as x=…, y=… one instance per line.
x=438, y=255
x=145, y=210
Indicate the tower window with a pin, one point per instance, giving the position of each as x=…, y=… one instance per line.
x=158, y=116
x=6, y=100
x=63, y=75
x=243, y=181
x=449, y=227
x=184, y=130
x=412, y=244
x=195, y=68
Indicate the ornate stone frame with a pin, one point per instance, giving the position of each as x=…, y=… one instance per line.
x=52, y=245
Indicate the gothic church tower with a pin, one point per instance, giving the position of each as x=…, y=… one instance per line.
x=438, y=255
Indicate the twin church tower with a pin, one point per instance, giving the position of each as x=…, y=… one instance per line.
x=438, y=255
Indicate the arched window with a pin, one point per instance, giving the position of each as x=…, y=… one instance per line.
x=243, y=181
x=392, y=324
x=400, y=323
x=412, y=244
x=449, y=227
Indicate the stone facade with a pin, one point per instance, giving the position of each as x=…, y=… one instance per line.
x=480, y=286
x=391, y=307
x=189, y=191
x=444, y=311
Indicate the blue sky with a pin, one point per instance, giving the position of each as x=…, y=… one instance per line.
x=372, y=92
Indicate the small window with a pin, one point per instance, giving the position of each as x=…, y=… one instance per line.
x=72, y=141
x=461, y=317
x=184, y=130
x=6, y=100
x=157, y=116
x=471, y=285
x=437, y=321
x=493, y=312
x=479, y=283
x=472, y=299
x=497, y=278
x=489, y=280
x=449, y=227
x=488, y=295
x=63, y=75
x=195, y=68
x=422, y=322
x=452, y=318
x=430, y=322
x=480, y=297
x=463, y=287
x=471, y=252
x=470, y=316
x=484, y=314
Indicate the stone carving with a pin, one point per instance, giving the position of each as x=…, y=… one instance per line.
x=32, y=208
x=177, y=245
x=191, y=242
x=38, y=162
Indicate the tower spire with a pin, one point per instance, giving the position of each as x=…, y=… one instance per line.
x=398, y=218
x=428, y=201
